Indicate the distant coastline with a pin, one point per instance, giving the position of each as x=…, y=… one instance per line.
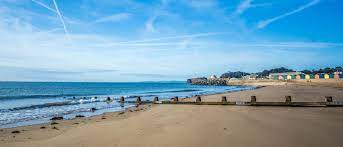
x=327, y=76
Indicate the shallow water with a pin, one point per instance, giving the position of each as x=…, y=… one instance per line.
x=26, y=103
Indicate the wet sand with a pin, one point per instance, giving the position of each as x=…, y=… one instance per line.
x=200, y=125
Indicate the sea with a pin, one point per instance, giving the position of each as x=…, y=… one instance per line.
x=28, y=103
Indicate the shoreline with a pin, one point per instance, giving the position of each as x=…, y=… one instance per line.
x=57, y=127
x=131, y=98
x=70, y=123
x=171, y=114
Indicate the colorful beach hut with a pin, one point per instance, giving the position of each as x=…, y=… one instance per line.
x=341, y=76
x=321, y=76
x=312, y=76
x=298, y=77
x=307, y=77
x=317, y=76
x=284, y=77
x=302, y=76
x=276, y=77
x=326, y=76
x=331, y=76
x=280, y=77
x=336, y=76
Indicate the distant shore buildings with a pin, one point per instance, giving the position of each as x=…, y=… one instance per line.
x=303, y=76
x=280, y=74
x=250, y=77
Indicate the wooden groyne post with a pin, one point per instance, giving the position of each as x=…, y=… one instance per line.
x=156, y=99
x=176, y=99
x=328, y=99
x=198, y=99
x=139, y=100
x=288, y=99
x=253, y=99
x=122, y=99
x=224, y=100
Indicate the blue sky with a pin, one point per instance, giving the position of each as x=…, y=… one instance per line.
x=154, y=40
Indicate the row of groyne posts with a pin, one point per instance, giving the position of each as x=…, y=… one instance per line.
x=253, y=102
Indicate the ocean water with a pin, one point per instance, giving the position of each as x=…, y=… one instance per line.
x=27, y=103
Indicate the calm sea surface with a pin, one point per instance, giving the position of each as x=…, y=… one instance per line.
x=27, y=103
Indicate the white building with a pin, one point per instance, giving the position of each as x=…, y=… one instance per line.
x=250, y=77
x=213, y=77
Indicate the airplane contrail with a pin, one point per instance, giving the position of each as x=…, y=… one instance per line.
x=61, y=17
x=176, y=37
x=150, y=42
x=44, y=5
x=266, y=22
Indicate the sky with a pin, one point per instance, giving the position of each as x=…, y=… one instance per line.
x=163, y=40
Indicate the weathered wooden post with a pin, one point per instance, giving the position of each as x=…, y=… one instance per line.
x=253, y=99
x=224, y=100
x=122, y=99
x=156, y=99
x=288, y=99
x=198, y=99
x=139, y=100
x=328, y=98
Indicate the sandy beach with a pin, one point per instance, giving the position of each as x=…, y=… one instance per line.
x=200, y=125
x=171, y=73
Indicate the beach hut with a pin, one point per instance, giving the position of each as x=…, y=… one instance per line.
x=326, y=76
x=280, y=77
x=316, y=76
x=331, y=76
x=298, y=77
x=307, y=77
x=302, y=76
x=341, y=76
x=336, y=76
x=284, y=77
x=321, y=76
x=275, y=77
x=312, y=76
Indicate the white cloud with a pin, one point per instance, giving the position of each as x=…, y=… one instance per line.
x=159, y=12
x=113, y=18
x=288, y=45
x=149, y=24
x=195, y=35
x=199, y=4
x=245, y=5
x=266, y=22
x=242, y=7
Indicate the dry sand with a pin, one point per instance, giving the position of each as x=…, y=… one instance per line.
x=201, y=125
x=277, y=93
